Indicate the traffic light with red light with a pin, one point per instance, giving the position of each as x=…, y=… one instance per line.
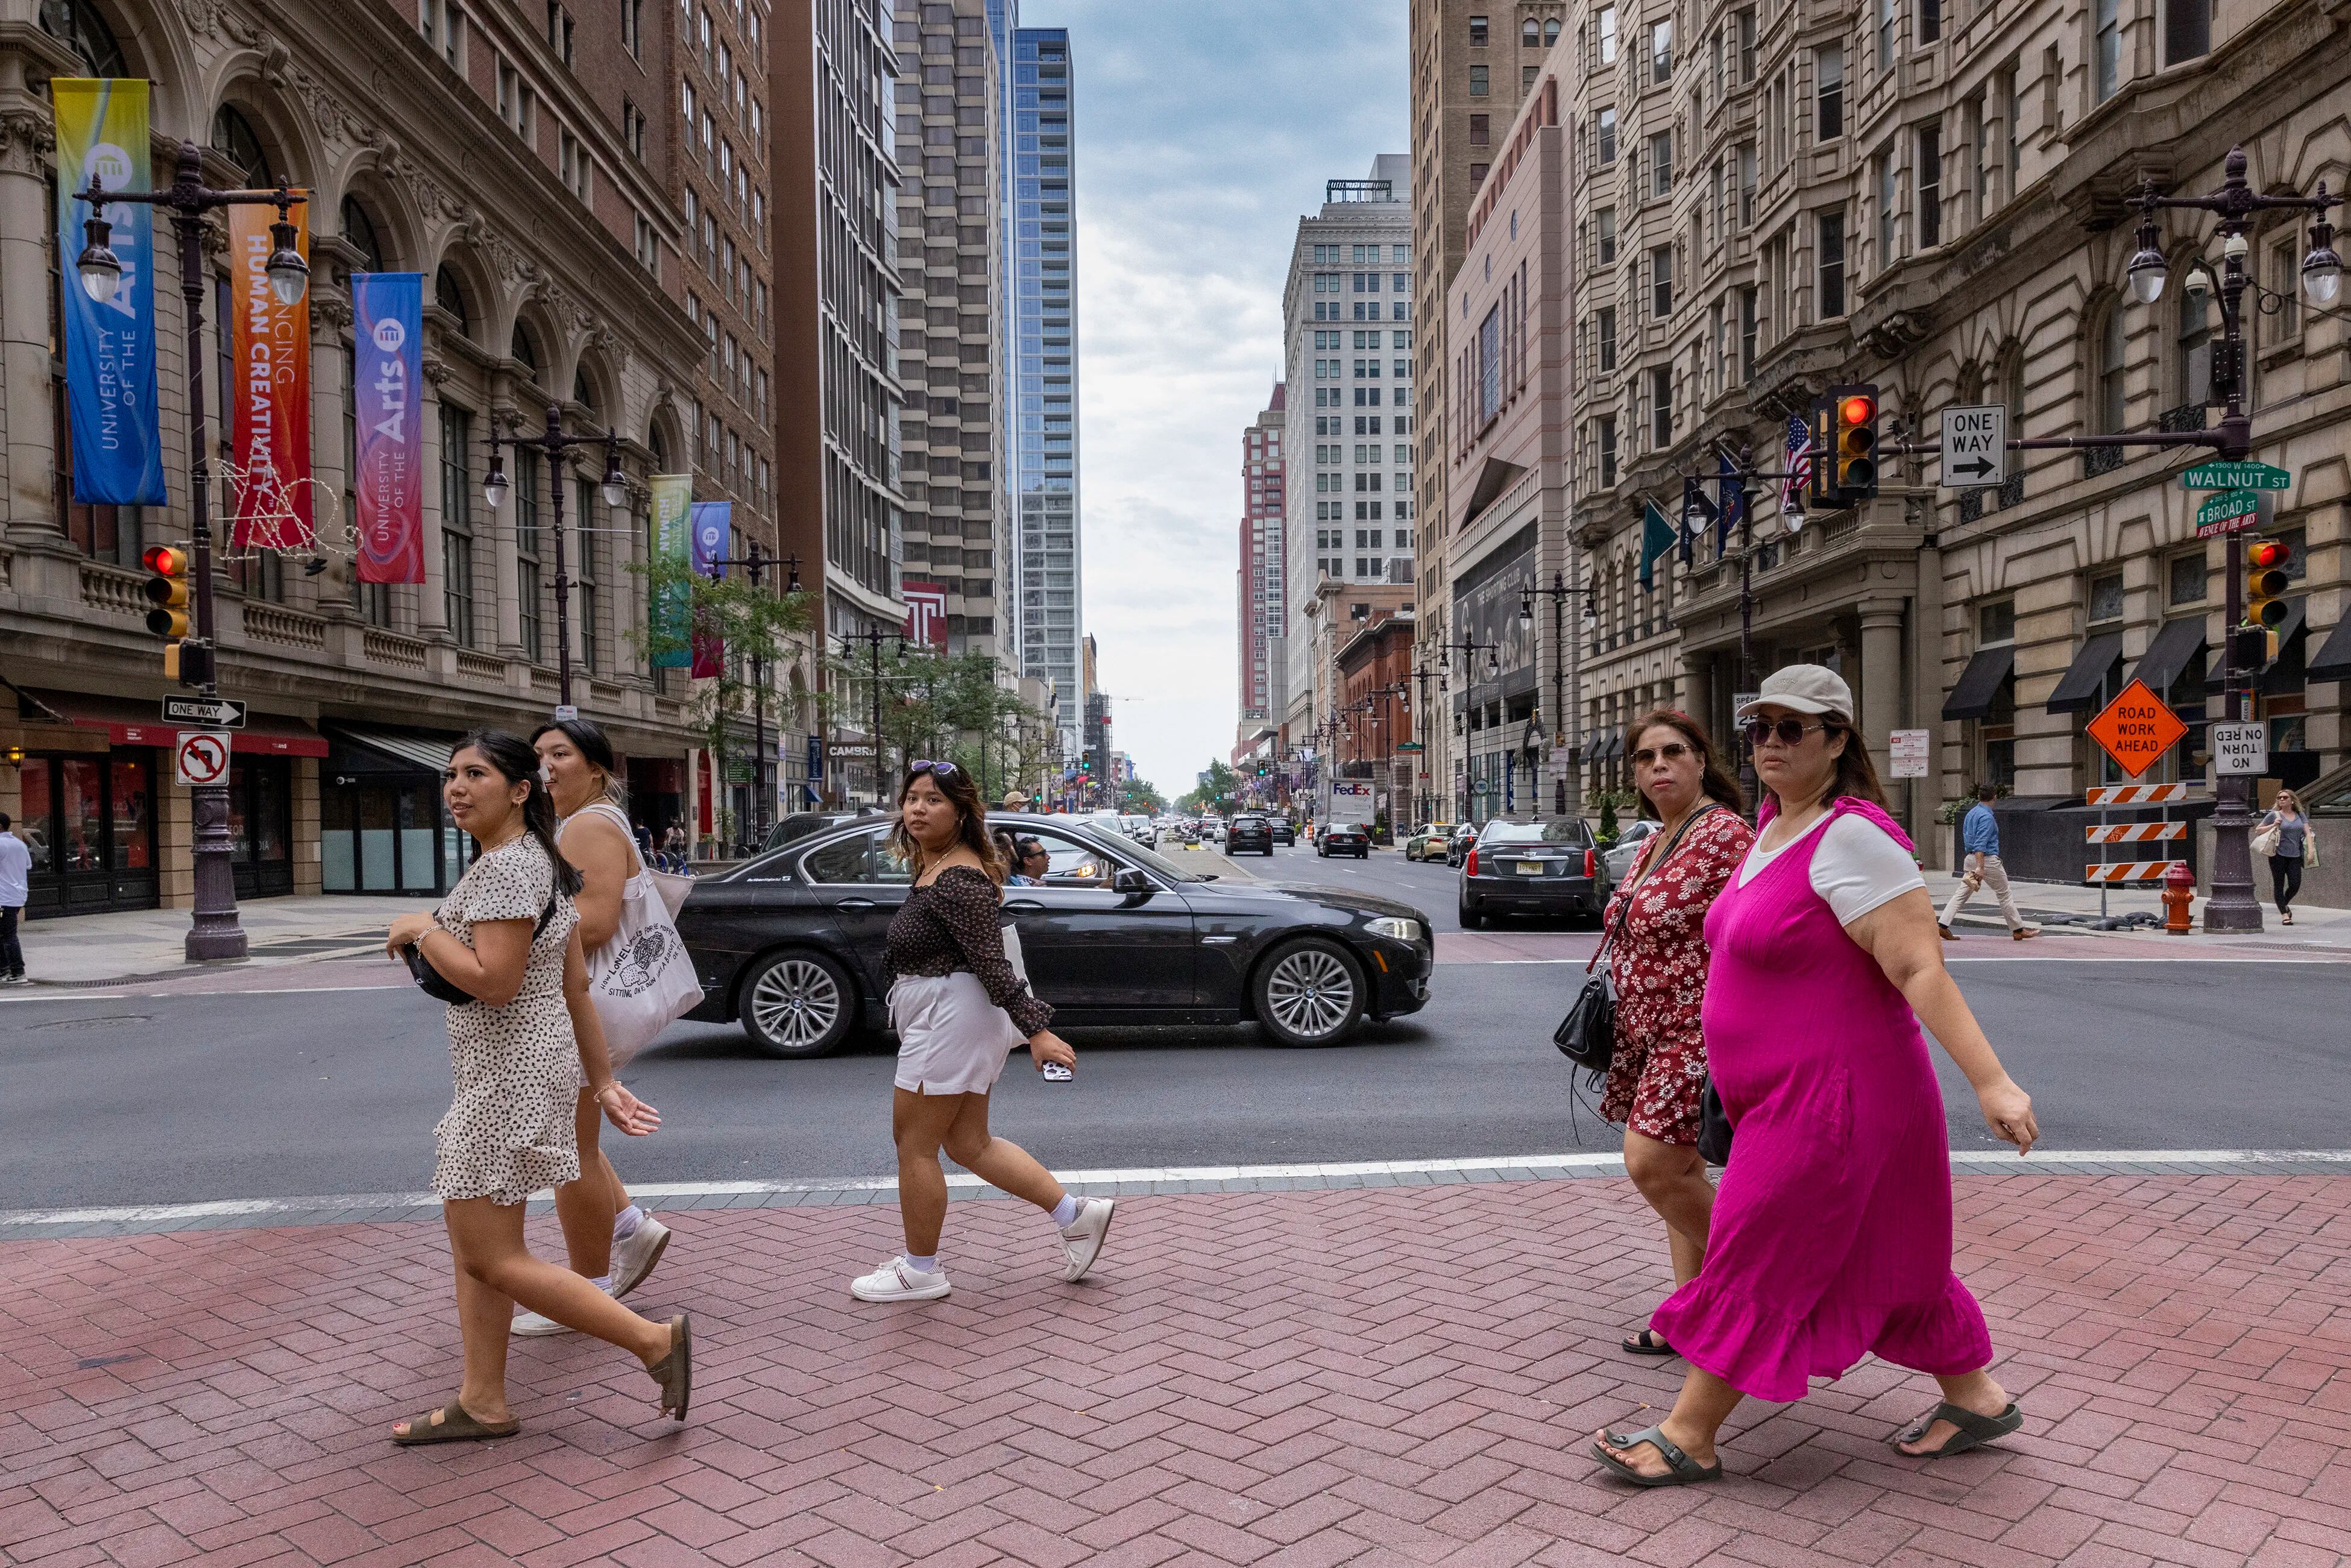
x=167, y=590
x=1853, y=446
x=2267, y=563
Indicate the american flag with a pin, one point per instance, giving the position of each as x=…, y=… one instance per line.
x=1799, y=466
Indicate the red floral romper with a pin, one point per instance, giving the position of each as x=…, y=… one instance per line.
x=1658, y=964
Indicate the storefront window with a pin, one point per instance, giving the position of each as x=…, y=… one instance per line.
x=37, y=812
x=133, y=818
x=82, y=798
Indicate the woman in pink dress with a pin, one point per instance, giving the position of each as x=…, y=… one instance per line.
x=1830, y=1236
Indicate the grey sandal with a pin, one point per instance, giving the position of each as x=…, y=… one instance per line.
x=456, y=1426
x=1974, y=1430
x=1681, y=1469
x=675, y=1372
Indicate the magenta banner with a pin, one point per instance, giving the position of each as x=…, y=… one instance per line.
x=388, y=363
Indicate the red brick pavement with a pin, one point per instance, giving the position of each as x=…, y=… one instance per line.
x=1388, y=1376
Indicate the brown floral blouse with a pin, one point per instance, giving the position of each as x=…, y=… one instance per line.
x=951, y=924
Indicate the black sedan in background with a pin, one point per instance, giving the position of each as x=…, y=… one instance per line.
x=1249, y=833
x=1533, y=868
x=1284, y=831
x=1456, y=848
x=1343, y=839
x=792, y=943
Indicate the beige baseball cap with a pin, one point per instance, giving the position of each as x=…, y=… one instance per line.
x=1804, y=688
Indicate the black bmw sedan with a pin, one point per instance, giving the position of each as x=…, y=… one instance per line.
x=791, y=943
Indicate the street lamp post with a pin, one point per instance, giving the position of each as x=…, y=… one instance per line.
x=214, y=933
x=2231, y=906
x=762, y=782
x=557, y=447
x=873, y=637
x=1567, y=730
x=1467, y=647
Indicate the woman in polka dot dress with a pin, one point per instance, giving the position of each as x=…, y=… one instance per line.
x=506, y=937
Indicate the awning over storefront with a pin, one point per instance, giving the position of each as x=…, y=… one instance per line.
x=1615, y=747
x=422, y=753
x=1595, y=744
x=1979, y=686
x=2333, y=659
x=129, y=722
x=2085, y=677
x=2176, y=642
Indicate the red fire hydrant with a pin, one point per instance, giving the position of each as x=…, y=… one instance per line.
x=2179, y=893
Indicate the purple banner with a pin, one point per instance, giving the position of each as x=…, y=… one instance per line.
x=387, y=364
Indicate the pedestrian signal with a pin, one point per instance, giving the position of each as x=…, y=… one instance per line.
x=1853, y=445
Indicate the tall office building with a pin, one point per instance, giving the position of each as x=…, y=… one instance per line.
x=1042, y=443
x=1347, y=358
x=950, y=130
x=838, y=502
x=1259, y=577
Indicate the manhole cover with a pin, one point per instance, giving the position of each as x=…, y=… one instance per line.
x=95, y=1022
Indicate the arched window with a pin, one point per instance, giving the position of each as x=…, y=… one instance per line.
x=1550, y=32
x=2111, y=402
x=581, y=392
x=658, y=444
x=523, y=349
x=2195, y=344
x=234, y=139
x=78, y=23
x=1530, y=33
x=451, y=297
x=358, y=233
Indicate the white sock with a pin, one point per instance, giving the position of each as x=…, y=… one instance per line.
x=1065, y=1213
x=625, y=1223
x=929, y=1265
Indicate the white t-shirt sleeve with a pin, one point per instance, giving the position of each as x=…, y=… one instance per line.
x=1858, y=866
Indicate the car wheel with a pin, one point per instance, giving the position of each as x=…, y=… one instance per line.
x=799, y=1003
x=1310, y=992
x=1471, y=919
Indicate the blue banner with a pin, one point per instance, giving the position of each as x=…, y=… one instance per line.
x=118, y=453
x=388, y=523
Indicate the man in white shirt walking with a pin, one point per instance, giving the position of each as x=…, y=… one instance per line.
x=15, y=871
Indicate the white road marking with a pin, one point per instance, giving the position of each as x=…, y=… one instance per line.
x=235, y=1208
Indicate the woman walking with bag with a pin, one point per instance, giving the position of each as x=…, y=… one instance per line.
x=2285, y=836
x=640, y=980
x=1831, y=1237
x=504, y=950
x=1657, y=960
x=959, y=1011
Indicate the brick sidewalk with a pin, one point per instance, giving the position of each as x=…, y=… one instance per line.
x=1386, y=1375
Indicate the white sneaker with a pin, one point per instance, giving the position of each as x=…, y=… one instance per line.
x=634, y=1258
x=530, y=1325
x=1083, y=1237
x=899, y=1280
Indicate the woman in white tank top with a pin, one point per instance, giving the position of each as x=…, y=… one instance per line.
x=609, y=1238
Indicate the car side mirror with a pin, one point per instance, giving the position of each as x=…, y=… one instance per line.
x=1129, y=880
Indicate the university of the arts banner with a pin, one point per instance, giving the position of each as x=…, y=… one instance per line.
x=387, y=325
x=101, y=126
x=269, y=387
x=671, y=599
x=713, y=523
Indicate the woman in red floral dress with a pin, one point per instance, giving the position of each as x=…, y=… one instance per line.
x=1658, y=962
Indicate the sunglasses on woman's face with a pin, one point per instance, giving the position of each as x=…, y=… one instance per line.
x=1672, y=751
x=1787, y=731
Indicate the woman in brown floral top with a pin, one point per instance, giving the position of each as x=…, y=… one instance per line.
x=1658, y=962
x=959, y=1010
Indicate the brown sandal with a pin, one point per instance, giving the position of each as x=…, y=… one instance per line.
x=675, y=1372
x=456, y=1426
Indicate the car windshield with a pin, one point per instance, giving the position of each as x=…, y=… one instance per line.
x=1559, y=831
x=1159, y=864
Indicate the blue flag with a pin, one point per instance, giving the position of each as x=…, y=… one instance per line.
x=1656, y=539
x=1730, y=503
x=118, y=452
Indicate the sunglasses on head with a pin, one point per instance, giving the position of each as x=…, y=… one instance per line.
x=1672, y=751
x=1788, y=731
x=925, y=765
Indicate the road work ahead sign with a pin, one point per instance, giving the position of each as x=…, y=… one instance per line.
x=2137, y=729
x=1975, y=446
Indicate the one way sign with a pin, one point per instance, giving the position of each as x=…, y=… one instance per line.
x=1975, y=446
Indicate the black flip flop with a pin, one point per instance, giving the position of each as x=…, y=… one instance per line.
x=1974, y=1430
x=1645, y=1343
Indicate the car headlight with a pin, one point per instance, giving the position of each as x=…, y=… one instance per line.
x=1396, y=928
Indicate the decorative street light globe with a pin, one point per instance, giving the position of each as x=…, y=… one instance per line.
x=289, y=275
x=2322, y=269
x=494, y=485
x=99, y=268
x=2147, y=264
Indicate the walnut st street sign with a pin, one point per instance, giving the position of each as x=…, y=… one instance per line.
x=2236, y=476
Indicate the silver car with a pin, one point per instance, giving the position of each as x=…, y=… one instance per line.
x=1621, y=854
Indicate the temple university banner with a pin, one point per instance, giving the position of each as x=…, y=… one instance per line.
x=387, y=310
x=714, y=524
x=101, y=126
x=269, y=387
x=672, y=495
x=926, y=614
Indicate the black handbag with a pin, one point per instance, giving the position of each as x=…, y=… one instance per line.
x=1587, y=1035
x=439, y=986
x=1713, y=1126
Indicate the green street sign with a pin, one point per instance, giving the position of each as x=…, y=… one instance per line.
x=2237, y=477
x=2227, y=503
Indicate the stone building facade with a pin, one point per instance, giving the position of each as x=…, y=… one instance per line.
x=1257, y=581
x=1931, y=201
x=551, y=230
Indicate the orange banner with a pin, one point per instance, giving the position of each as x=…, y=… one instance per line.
x=269, y=388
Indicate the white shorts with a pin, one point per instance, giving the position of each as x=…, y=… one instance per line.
x=951, y=1038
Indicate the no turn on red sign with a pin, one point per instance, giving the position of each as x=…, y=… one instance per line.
x=202, y=757
x=2136, y=728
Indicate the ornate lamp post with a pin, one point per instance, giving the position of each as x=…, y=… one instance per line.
x=762, y=767
x=1467, y=647
x=215, y=934
x=557, y=447
x=1567, y=722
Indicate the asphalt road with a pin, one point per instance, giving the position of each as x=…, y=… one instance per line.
x=119, y=1098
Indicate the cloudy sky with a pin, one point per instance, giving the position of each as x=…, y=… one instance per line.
x=1205, y=131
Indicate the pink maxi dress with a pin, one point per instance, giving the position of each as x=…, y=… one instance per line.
x=1832, y=1232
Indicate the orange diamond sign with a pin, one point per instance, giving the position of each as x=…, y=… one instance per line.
x=2136, y=728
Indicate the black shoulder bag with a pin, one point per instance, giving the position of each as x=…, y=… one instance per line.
x=439, y=986
x=1587, y=1035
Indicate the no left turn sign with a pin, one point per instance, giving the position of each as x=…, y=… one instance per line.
x=202, y=757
